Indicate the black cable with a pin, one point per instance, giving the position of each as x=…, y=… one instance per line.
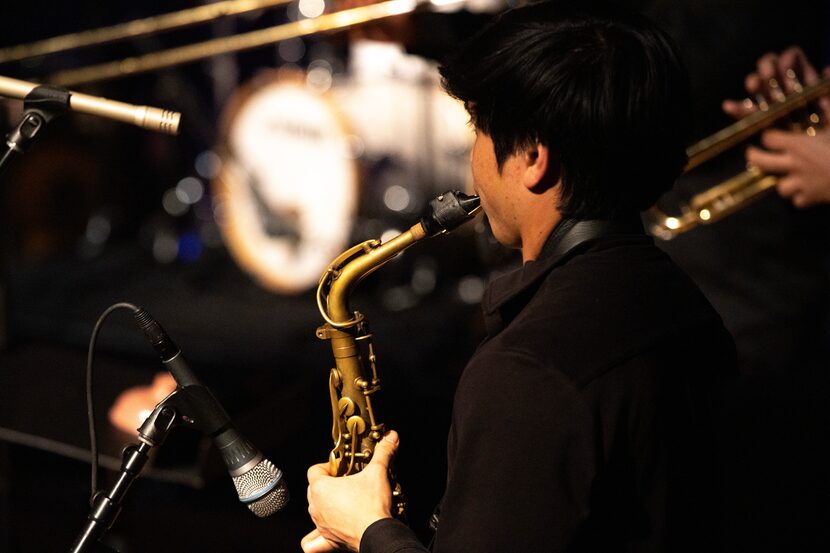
x=90, y=410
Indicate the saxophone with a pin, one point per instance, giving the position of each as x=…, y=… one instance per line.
x=353, y=382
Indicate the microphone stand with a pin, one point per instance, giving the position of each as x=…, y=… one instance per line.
x=40, y=106
x=184, y=406
x=106, y=506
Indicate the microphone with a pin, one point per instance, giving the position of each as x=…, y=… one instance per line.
x=258, y=482
x=154, y=119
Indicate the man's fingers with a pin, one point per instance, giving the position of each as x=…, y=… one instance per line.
x=790, y=187
x=801, y=201
x=739, y=108
x=768, y=162
x=775, y=139
x=752, y=84
x=767, y=65
x=317, y=471
x=794, y=57
x=385, y=450
x=314, y=542
x=792, y=70
x=769, y=76
x=787, y=187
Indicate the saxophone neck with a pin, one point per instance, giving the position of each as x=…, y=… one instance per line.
x=446, y=212
x=368, y=257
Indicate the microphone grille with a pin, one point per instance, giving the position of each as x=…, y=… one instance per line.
x=262, y=488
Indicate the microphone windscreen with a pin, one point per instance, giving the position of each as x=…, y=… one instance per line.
x=262, y=488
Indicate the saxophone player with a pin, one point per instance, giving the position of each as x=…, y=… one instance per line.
x=581, y=423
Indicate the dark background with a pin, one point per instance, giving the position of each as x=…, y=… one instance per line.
x=257, y=350
x=765, y=269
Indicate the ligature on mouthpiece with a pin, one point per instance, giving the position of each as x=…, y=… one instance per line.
x=448, y=211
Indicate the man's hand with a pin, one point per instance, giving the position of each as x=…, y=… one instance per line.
x=776, y=76
x=801, y=161
x=342, y=508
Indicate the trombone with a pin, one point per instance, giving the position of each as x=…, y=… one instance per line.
x=733, y=194
x=135, y=28
x=704, y=208
x=330, y=22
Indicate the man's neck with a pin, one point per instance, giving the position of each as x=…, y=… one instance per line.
x=535, y=233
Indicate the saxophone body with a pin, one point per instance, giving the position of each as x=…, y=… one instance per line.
x=354, y=382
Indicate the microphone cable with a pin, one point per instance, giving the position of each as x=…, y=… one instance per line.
x=90, y=408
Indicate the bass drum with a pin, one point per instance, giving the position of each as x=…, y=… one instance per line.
x=287, y=194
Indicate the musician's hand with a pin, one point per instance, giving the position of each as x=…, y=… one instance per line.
x=802, y=161
x=342, y=508
x=777, y=75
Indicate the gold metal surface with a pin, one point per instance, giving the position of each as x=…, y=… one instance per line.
x=151, y=118
x=136, y=28
x=355, y=425
x=186, y=54
x=733, y=194
x=729, y=137
x=354, y=381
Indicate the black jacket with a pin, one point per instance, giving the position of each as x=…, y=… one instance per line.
x=582, y=422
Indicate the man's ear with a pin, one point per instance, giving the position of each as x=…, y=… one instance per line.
x=537, y=165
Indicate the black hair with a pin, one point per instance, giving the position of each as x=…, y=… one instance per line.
x=599, y=85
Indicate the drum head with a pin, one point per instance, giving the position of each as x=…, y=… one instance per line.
x=287, y=193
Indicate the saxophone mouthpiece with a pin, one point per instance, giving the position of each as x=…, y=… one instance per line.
x=448, y=211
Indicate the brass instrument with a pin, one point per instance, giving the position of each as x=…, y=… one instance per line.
x=727, y=197
x=330, y=22
x=354, y=382
x=135, y=28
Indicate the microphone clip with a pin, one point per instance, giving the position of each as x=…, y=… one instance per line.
x=158, y=424
x=106, y=505
x=193, y=406
x=41, y=106
x=49, y=100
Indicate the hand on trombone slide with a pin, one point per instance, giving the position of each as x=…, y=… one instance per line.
x=800, y=157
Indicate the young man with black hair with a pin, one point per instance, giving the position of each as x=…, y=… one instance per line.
x=580, y=424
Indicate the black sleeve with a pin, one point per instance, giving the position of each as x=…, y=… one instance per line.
x=389, y=535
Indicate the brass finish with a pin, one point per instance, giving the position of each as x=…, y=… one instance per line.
x=237, y=43
x=136, y=28
x=353, y=383
x=735, y=193
x=346, y=331
x=713, y=204
x=737, y=132
x=154, y=119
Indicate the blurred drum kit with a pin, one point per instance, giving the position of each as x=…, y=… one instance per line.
x=312, y=160
x=287, y=191
x=308, y=170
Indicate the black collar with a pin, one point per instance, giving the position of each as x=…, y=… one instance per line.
x=569, y=238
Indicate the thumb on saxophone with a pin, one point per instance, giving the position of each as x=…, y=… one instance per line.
x=385, y=451
x=343, y=507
